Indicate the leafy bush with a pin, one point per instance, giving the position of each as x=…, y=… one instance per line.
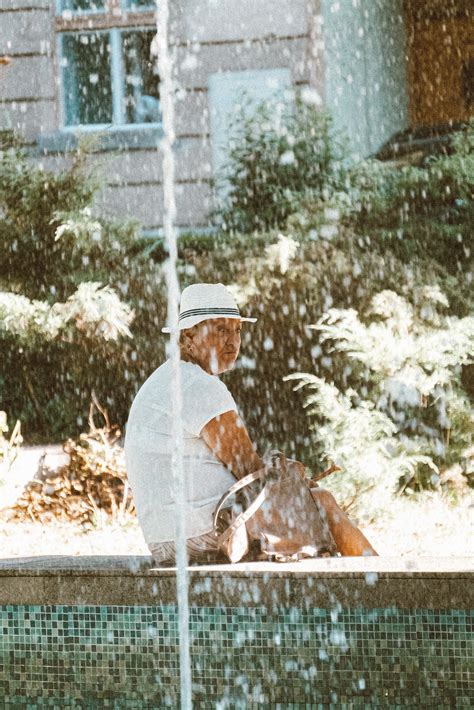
x=329, y=256
x=64, y=328
x=407, y=411
x=413, y=210
x=278, y=153
x=289, y=284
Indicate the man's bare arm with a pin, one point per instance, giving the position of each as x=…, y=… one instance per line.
x=228, y=438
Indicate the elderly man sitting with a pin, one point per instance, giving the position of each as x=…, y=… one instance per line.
x=217, y=448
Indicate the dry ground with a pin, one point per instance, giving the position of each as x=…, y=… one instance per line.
x=429, y=526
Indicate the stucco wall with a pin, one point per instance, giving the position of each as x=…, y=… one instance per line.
x=365, y=70
x=207, y=38
x=27, y=86
x=224, y=39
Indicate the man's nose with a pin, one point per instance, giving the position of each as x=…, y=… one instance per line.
x=233, y=339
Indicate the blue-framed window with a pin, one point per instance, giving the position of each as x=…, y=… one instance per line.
x=95, y=6
x=138, y=4
x=109, y=77
x=80, y=6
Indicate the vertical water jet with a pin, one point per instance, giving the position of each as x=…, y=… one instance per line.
x=165, y=69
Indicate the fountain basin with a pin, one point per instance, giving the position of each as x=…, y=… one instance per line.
x=103, y=632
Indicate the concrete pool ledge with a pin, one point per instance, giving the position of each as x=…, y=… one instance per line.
x=382, y=582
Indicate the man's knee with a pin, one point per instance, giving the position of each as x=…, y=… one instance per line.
x=325, y=498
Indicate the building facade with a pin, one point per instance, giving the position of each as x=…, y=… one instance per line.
x=88, y=67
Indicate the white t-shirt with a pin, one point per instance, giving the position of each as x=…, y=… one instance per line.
x=148, y=449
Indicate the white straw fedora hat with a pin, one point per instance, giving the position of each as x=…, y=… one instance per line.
x=204, y=301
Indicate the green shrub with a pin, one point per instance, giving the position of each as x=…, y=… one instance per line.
x=68, y=285
x=278, y=153
x=289, y=284
x=55, y=352
x=417, y=210
x=406, y=412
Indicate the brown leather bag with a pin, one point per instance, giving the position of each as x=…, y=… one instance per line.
x=280, y=515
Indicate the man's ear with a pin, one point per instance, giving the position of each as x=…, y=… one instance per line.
x=197, y=331
x=187, y=336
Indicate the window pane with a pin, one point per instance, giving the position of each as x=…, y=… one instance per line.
x=142, y=94
x=87, y=84
x=139, y=4
x=82, y=5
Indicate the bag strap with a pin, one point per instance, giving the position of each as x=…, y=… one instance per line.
x=242, y=518
x=245, y=481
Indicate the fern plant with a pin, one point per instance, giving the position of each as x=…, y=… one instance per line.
x=361, y=440
x=407, y=415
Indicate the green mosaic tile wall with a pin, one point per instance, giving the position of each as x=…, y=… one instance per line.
x=128, y=657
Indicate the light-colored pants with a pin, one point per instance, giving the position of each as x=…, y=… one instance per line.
x=201, y=550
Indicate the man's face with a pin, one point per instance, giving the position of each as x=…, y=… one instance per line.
x=217, y=344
